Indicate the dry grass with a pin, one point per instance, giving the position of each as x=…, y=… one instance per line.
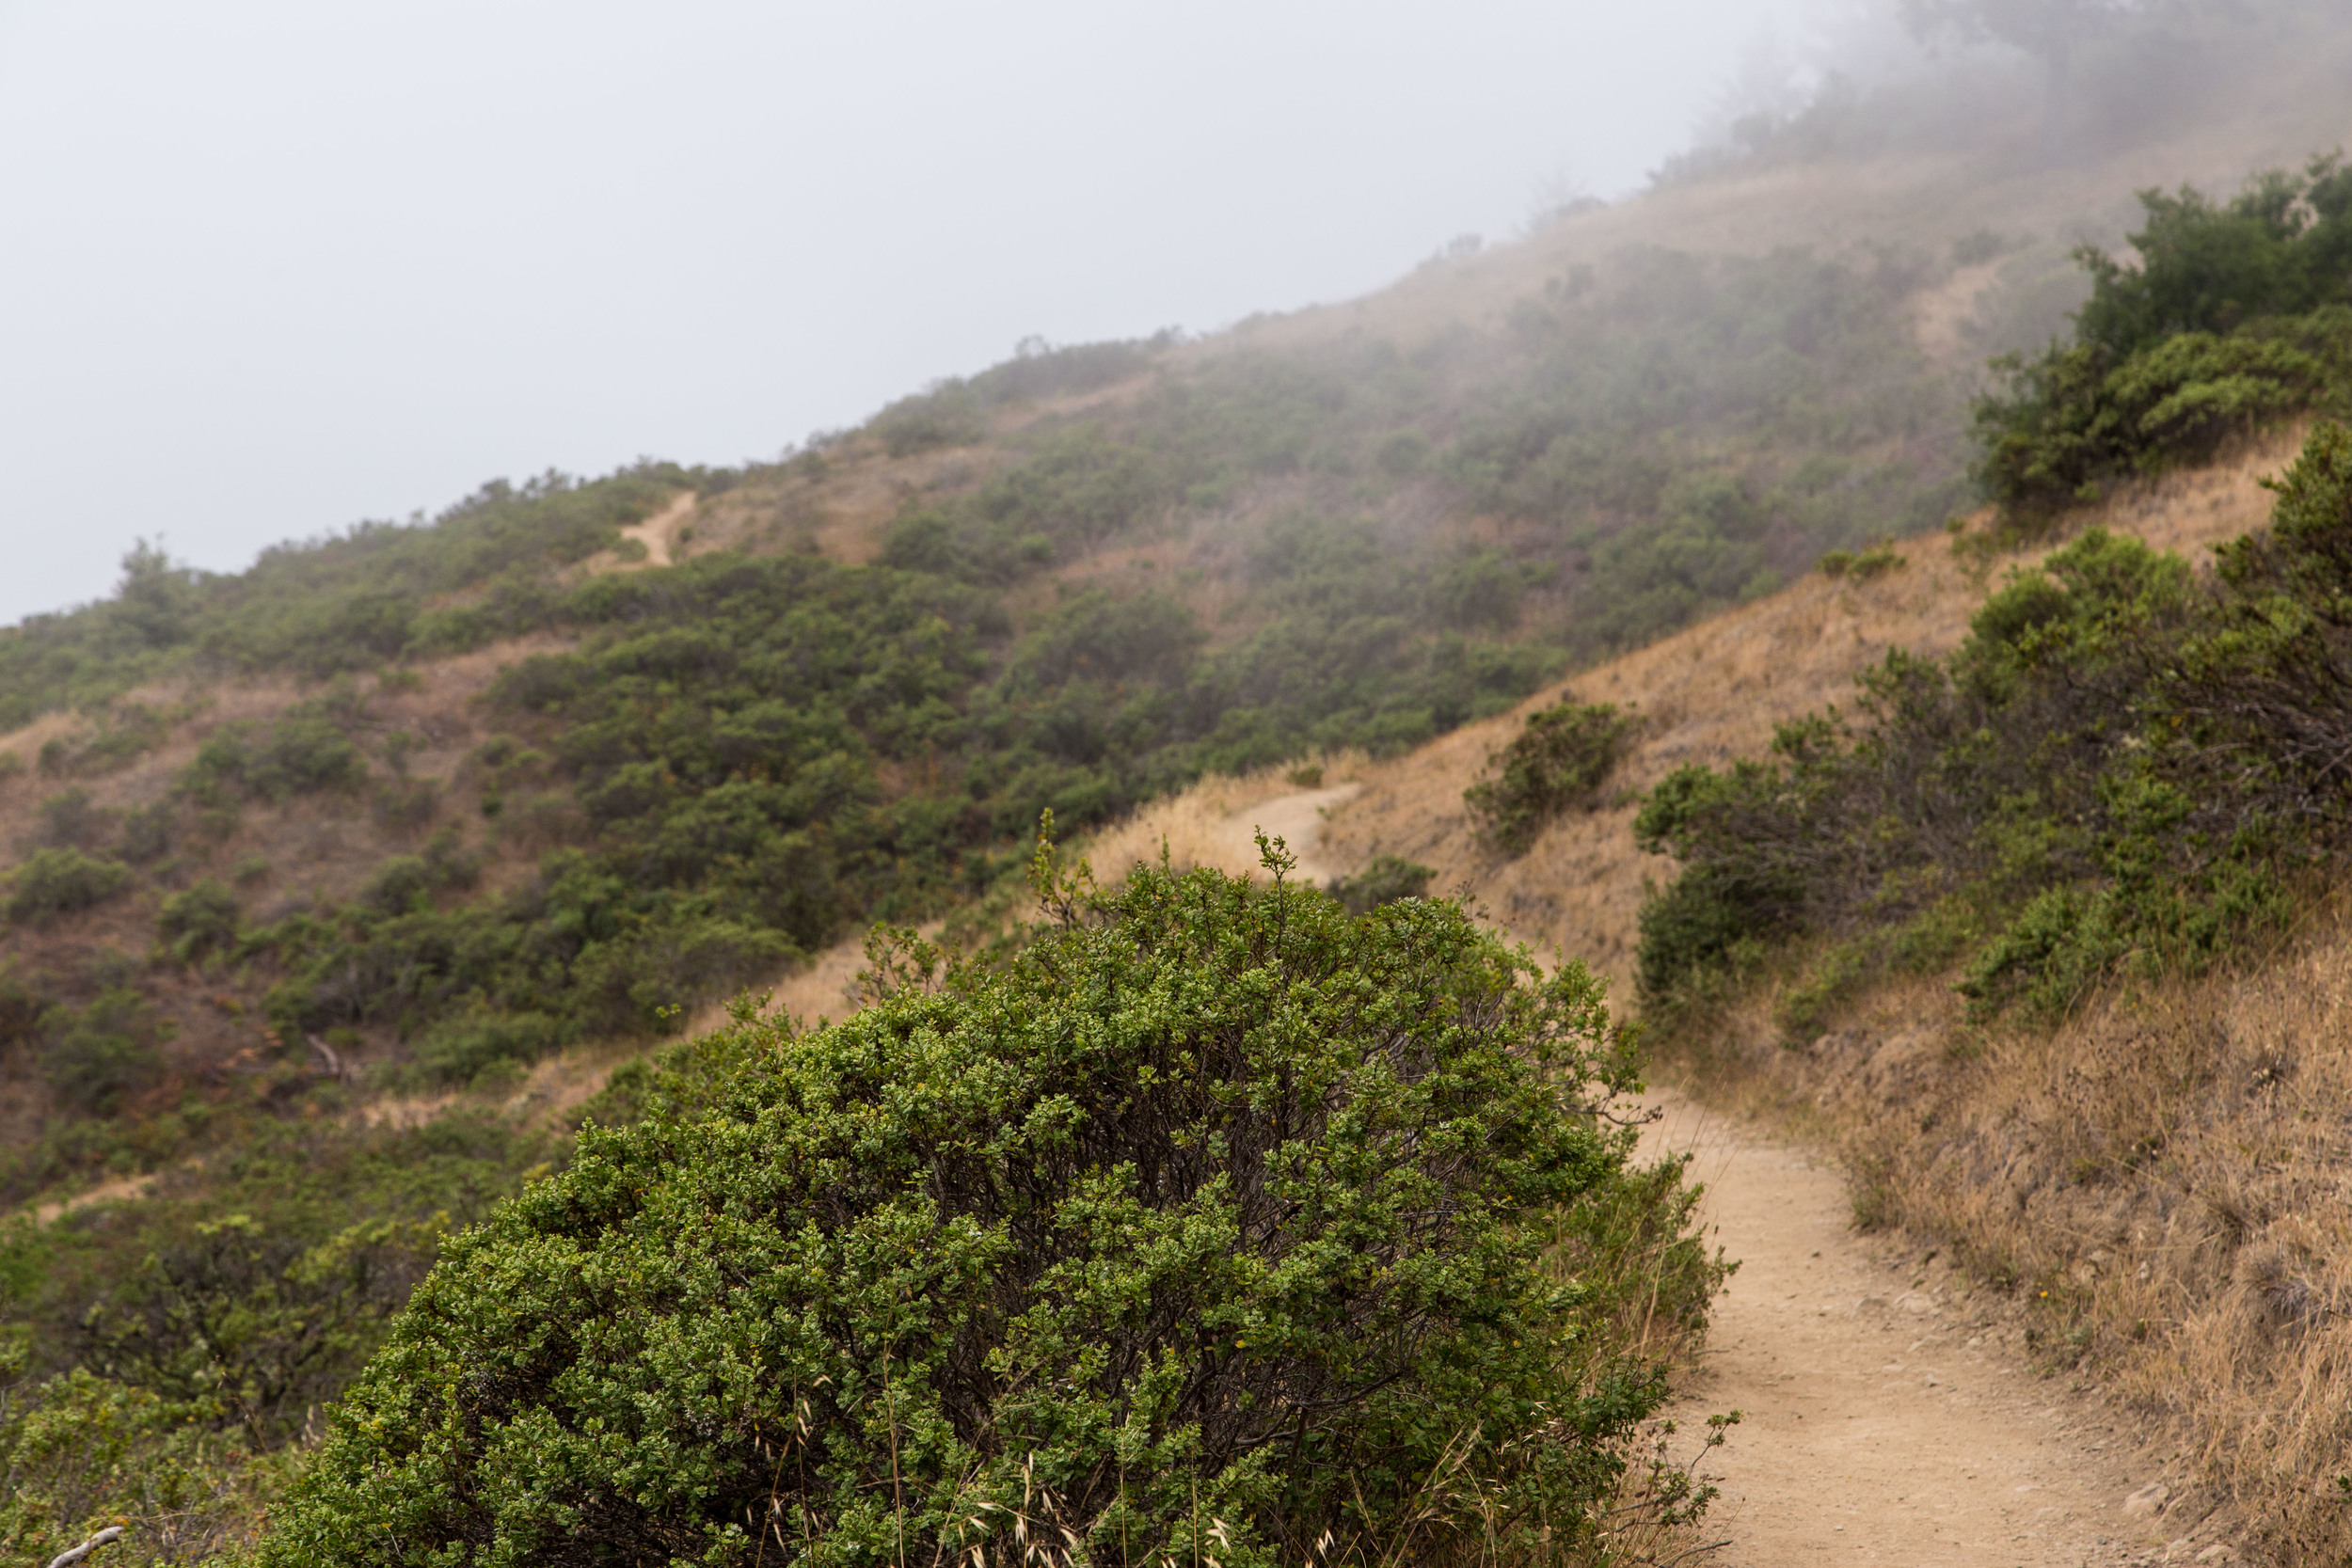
x=1715, y=692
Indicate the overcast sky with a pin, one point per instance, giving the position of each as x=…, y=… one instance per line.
x=271, y=266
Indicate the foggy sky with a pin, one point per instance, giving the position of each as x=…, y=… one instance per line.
x=269, y=267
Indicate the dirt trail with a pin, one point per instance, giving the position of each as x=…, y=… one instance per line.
x=657, y=532
x=1298, y=820
x=1885, y=1418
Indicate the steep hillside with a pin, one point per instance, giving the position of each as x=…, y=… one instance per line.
x=338, y=884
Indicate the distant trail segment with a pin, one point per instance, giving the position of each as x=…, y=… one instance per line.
x=1298, y=820
x=657, y=532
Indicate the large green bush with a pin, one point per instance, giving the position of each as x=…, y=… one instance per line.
x=1212, y=1222
x=63, y=882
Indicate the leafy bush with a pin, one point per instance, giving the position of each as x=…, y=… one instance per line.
x=2238, y=314
x=1210, y=1223
x=1388, y=880
x=1874, y=563
x=1557, y=763
x=95, y=1054
x=303, y=753
x=79, y=1452
x=63, y=882
x=200, y=920
x=2123, y=766
x=460, y=1049
x=243, y=1327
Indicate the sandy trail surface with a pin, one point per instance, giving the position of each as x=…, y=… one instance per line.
x=658, y=531
x=1883, y=1422
x=1298, y=820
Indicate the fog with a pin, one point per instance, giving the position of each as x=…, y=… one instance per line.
x=271, y=267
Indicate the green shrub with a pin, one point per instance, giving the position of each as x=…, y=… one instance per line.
x=2238, y=314
x=460, y=1049
x=1209, y=1224
x=63, y=882
x=2122, y=768
x=1556, y=764
x=80, y=1452
x=94, y=1056
x=1387, y=880
x=1875, y=563
x=240, y=1326
x=201, y=920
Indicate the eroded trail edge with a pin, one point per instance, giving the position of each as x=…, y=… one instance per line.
x=1888, y=1415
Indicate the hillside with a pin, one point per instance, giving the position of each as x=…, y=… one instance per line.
x=338, y=886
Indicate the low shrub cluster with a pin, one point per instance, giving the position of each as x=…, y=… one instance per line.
x=759, y=754
x=2238, y=313
x=2126, y=764
x=1557, y=763
x=1213, y=1222
x=162, y=1361
x=50, y=882
x=1388, y=880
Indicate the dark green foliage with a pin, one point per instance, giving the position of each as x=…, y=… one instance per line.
x=302, y=753
x=198, y=921
x=1557, y=763
x=1207, y=1223
x=462, y=1048
x=2283, y=247
x=2238, y=313
x=253, y=1328
x=209, y=1318
x=1387, y=880
x=51, y=883
x=2121, y=766
x=94, y=1056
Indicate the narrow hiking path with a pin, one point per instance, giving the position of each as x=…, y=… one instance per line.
x=1297, y=821
x=1888, y=1417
